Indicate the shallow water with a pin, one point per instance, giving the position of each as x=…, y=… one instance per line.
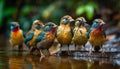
x=23, y=60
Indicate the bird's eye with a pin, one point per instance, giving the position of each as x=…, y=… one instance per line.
x=66, y=18
x=12, y=25
x=52, y=25
x=77, y=21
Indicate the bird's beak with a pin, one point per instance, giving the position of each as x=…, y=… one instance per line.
x=55, y=26
x=85, y=21
x=103, y=23
x=43, y=25
x=71, y=20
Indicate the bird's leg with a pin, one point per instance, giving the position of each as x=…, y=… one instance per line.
x=41, y=54
x=90, y=52
x=68, y=50
x=20, y=48
x=32, y=49
x=75, y=48
x=103, y=51
x=28, y=47
x=60, y=49
x=84, y=48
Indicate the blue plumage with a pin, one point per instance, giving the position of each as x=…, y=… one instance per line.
x=46, y=38
x=40, y=37
x=32, y=35
x=96, y=35
x=28, y=38
x=94, y=25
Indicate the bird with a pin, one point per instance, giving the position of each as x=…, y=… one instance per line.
x=31, y=36
x=64, y=31
x=80, y=32
x=97, y=36
x=16, y=36
x=95, y=24
x=48, y=38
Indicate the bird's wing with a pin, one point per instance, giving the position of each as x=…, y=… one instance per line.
x=104, y=33
x=40, y=37
x=23, y=33
x=29, y=37
x=89, y=31
x=87, y=26
x=10, y=34
x=71, y=30
x=56, y=32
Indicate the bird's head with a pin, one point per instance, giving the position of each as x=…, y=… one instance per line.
x=66, y=19
x=37, y=25
x=50, y=26
x=14, y=26
x=80, y=21
x=97, y=22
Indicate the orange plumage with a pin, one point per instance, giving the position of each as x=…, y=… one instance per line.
x=16, y=37
x=97, y=37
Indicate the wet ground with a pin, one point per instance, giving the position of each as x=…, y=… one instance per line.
x=23, y=60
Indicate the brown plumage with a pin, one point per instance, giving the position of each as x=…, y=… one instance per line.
x=64, y=32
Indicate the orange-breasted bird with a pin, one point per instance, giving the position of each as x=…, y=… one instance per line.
x=97, y=36
x=64, y=32
x=16, y=35
x=80, y=32
x=48, y=37
x=32, y=35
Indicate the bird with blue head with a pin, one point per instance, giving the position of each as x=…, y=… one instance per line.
x=97, y=35
x=48, y=36
x=31, y=36
x=16, y=36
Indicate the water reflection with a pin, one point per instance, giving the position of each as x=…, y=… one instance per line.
x=16, y=61
x=4, y=60
x=27, y=61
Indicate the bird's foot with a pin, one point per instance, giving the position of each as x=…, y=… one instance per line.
x=69, y=53
x=103, y=53
x=51, y=54
x=41, y=57
x=20, y=48
x=90, y=53
x=85, y=49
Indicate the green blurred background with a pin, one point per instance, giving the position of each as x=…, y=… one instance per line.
x=26, y=11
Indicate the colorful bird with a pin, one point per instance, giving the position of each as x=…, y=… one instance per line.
x=97, y=36
x=64, y=32
x=80, y=32
x=32, y=35
x=48, y=37
x=16, y=36
x=95, y=24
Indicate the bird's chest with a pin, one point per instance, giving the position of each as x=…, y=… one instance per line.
x=78, y=32
x=64, y=32
x=16, y=38
x=46, y=43
x=64, y=35
x=16, y=35
x=49, y=36
x=97, y=38
x=97, y=34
